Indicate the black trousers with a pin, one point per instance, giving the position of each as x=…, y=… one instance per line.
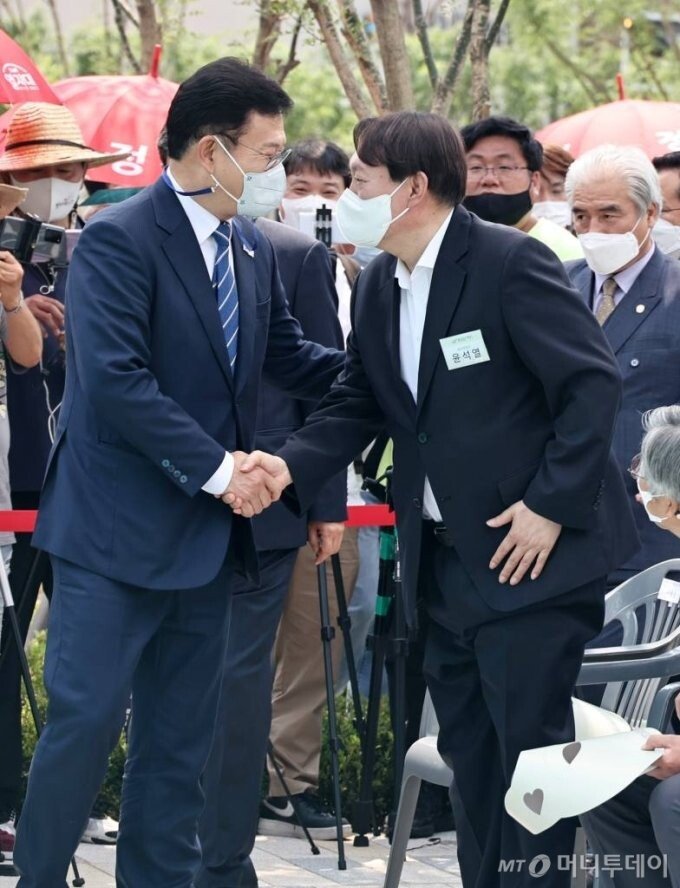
x=501, y=682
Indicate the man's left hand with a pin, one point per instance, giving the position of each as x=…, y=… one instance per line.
x=325, y=538
x=669, y=764
x=530, y=541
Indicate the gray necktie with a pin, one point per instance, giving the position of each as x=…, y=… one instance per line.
x=607, y=304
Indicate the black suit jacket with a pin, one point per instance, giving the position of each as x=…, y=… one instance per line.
x=305, y=268
x=535, y=422
x=644, y=333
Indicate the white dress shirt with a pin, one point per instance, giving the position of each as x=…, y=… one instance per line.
x=204, y=225
x=624, y=280
x=415, y=292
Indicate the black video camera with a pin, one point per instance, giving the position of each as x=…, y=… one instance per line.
x=30, y=240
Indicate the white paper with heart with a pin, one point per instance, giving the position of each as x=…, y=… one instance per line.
x=568, y=779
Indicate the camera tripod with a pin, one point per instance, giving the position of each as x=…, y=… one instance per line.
x=334, y=743
x=389, y=639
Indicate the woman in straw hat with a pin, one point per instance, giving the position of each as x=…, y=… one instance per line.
x=44, y=153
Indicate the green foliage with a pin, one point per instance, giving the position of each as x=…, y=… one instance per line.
x=321, y=108
x=350, y=762
x=108, y=800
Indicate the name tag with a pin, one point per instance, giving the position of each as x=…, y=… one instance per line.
x=464, y=350
x=669, y=591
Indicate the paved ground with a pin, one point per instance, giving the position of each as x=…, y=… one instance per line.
x=288, y=863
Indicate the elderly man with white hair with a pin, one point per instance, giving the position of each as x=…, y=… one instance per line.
x=643, y=822
x=634, y=292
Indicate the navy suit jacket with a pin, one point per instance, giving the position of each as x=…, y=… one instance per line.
x=534, y=422
x=307, y=278
x=644, y=333
x=150, y=404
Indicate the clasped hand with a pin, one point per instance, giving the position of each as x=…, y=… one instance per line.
x=257, y=481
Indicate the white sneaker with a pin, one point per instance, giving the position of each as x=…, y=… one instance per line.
x=101, y=831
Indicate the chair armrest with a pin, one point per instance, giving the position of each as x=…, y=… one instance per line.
x=658, y=659
x=662, y=707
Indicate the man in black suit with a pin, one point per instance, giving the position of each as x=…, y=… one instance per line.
x=500, y=393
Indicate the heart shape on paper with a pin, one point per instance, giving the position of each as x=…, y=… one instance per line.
x=534, y=800
x=570, y=752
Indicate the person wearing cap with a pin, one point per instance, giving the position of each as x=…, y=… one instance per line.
x=552, y=201
x=44, y=153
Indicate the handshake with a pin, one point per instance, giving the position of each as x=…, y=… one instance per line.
x=258, y=480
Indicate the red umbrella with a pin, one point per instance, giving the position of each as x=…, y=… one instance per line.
x=652, y=126
x=121, y=114
x=20, y=80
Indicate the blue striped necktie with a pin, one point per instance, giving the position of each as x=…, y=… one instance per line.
x=224, y=284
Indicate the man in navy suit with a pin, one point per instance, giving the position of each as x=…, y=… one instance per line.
x=634, y=291
x=232, y=779
x=159, y=409
x=500, y=393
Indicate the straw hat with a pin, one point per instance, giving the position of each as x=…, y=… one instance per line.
x=42, y=134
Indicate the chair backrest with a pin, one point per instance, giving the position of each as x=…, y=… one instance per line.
x=645, y=618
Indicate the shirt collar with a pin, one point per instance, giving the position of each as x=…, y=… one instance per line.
x=201, y=220
x=626, y=278
x=427, y=259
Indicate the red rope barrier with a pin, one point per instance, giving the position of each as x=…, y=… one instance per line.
x=23, y=521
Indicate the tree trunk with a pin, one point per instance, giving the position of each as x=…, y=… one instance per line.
x=447, y=84
x=268, y=32
x=479, y=59
x=340, y=61
x=353, y=32
x=61, y=46
x=149, y=31
x=395, y=60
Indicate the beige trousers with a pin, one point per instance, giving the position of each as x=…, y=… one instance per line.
x=299, y=693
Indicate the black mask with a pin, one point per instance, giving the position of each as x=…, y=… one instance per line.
x=506, y=209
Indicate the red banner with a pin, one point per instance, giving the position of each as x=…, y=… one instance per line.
x=359, y=516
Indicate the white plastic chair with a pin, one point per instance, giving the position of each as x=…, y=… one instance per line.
x=633, y=673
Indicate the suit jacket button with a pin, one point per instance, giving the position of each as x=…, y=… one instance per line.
x=183, y=479
x=166, y=463
x=422, y=438
x=171, y=469
x=635, y=363
x=177, y=473
x=417, y=504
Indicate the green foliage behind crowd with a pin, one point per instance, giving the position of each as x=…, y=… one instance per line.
x=547, y=62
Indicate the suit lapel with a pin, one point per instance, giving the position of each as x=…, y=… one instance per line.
x=446, y=289
x=184, y=255
x=583, y=281
x=243, y=252
x=637, y=305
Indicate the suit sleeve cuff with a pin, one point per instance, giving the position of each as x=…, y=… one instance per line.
x=219, y=481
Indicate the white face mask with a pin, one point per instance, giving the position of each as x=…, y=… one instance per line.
x=262, y=192
x=666, y=236
x=365, y=222
x=50, y=200
x=608, y=253
x=646, y=498
x=557, y=211
x=294, y=207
